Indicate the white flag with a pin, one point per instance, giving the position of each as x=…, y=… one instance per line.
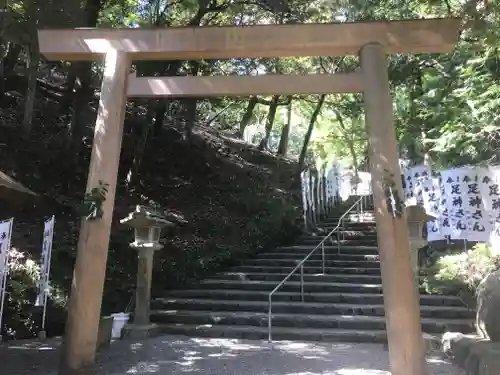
x=43, y=283
x=5, y=233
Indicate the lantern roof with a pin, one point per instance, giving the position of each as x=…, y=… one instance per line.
x=417, y=214
x=8, y=183
x=146, y=216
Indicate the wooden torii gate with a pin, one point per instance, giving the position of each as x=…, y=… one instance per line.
x=371, y=40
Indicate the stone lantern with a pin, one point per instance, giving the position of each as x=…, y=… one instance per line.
x=416, y=218
x=147, y=223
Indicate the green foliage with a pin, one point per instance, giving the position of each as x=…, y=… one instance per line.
x=394, y=200
x=460, y=272
x=91, y=206
x=23, y=319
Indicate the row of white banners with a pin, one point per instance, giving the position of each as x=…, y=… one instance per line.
x=465, y=201
x=43, y=283
x=322, y=189
x=319, y=191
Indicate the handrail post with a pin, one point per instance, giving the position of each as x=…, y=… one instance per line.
x=269, y=319
x=302, y=282
x=338, y=241
x=323, y=257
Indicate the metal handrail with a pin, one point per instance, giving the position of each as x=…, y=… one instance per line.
x=301, y=266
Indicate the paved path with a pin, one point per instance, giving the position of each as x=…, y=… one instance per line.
x=169, y=355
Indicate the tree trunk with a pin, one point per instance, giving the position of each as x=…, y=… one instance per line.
x=416, y=153
x=211, y=120
x=29, y=103
x=142, y=141
x=307, y=137
x=8, y=63
x=150, y=112
x=285, y=132
x=247, y=116
x=82, y=97
x=11, y=58
x=161, y=109
x=83, y=73
x=2, y=74
x=163, y=104
x=190, y=117
x=67, y=98
x=190, y=105
x=269, y=122
x=352, y=150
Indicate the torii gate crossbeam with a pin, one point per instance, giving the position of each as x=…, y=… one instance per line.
x=371, y=40
x=268, y=84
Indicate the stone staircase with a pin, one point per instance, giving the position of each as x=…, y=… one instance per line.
x=345, y=304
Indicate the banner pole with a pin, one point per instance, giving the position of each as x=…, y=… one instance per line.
x=2, y=299
x=42, y=334
x=5, y=265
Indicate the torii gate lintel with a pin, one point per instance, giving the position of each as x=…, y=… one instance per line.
x=372, y=40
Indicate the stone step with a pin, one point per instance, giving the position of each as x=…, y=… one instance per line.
x=355, y=322
x=348, y=240
x=448, y=312
x=331, y=249
x=308, y=241
x=309, y=270
x=333, y=254
x=362, y=225
x=278, y=277
x=317, y=255
x=319, y=297
x=310, y=263
x=344, y=235
x=344, y=304
x=279, y=333
x=351, y=233
x=352, y=216
x=294, y=286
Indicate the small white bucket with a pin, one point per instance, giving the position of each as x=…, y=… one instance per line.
x=119, y=321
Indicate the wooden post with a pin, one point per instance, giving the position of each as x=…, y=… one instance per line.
x=402, y=310
x=88, y=278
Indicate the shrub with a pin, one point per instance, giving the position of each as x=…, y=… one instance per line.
x=461, y=273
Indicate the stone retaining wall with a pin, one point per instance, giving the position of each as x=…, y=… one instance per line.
x=475, y=355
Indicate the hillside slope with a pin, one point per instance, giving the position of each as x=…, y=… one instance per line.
x=228, y=200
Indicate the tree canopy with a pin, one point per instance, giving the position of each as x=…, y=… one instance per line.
x=445, y=105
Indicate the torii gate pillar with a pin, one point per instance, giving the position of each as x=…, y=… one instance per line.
x=402, y=309
x=90, y=267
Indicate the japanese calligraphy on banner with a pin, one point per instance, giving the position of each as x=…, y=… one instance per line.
x=43, y=282
x=431, y=195
x=491, y=192
x=465, y=202
x=414, y=179
x=305, y=204
x=476, y=182
x=456, y=193
x=5, y=234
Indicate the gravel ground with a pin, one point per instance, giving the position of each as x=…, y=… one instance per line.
x=189, y=356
